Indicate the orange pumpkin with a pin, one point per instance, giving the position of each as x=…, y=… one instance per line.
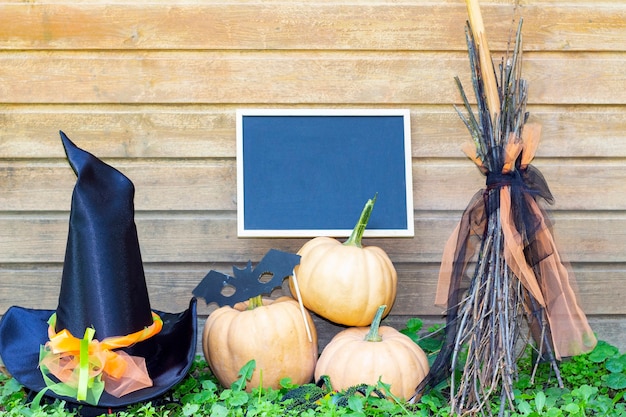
x=345, y=283
x=366, y=354
x=272, y=333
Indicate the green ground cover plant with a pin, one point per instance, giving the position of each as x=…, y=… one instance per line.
x=594, y=384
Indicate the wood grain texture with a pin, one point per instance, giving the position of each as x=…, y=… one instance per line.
x=118, y=131
x=304, y=25
x=212, y=237
x=207, y=131
x=211, y=184
x=170, y=286
x=290, y=77
x=153, y=88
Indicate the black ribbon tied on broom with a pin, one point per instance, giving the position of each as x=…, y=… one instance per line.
x=523, y=183
x=529, y=249
x=527, y=180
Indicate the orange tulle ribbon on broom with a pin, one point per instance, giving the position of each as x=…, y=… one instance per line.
x=86, y=367
x=547, y=279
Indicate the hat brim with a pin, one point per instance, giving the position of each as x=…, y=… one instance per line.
x=169, y=354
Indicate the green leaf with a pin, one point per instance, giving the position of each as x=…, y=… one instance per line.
x=208, y=385
x=553, y=394
x=218, y=410
x=602, y=352
x=523, y=382
x=432, y=402
x=410, y=334
x=356, y=403
x=286, y=383
x=187, y=386
x=617, y=362
x=572, y=408
x=616, y=381
x=238, y=398
x=429, y=344
x=414, y=324
x=585, y=392
x=524, y=408
x=190, y=409
x=11, y=386
x=553, y=412
x=245, y=374
x=540, y=401
x=614, y=365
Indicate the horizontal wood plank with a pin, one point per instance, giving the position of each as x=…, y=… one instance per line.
x=118, y=131
x=291, y=77
x=395, y=2
x=305, y=25
x=196, y=237
x=165, y=185
x=600, y=288
x=211, y=184
x=208, y=131
x=449, y=184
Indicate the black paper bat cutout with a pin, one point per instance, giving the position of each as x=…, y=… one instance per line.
x=247, y=282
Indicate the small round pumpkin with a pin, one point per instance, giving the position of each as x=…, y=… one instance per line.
x=360, y=355
x=345, y=283
x=272, y=333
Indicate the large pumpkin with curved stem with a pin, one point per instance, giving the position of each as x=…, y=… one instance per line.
x=363, y=355
x=345, y=283
x=272, y=332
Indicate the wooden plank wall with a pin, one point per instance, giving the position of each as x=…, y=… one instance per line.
x=152, y=88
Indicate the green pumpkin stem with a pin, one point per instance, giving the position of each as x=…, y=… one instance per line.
x=372, y=335
x=255, y=302
x=359, y=229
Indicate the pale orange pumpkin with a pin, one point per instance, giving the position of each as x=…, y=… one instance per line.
x=360, y=355
x=345, y=283
x=273, y=334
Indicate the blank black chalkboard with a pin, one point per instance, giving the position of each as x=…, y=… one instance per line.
x=310, y=172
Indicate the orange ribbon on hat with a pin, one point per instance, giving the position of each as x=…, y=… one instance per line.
x=85, y=367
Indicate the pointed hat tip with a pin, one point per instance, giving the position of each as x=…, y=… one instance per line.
x=64, y=137
x=75, y=155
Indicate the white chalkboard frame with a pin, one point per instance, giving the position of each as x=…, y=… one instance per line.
x=319, y=115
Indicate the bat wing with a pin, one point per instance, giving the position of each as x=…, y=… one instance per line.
x=276, y=264
x=247, y=282
x=212, y=289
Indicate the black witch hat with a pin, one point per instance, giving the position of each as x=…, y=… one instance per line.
x=103, y=316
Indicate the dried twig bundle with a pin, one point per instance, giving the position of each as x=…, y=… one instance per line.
x=518, y=275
